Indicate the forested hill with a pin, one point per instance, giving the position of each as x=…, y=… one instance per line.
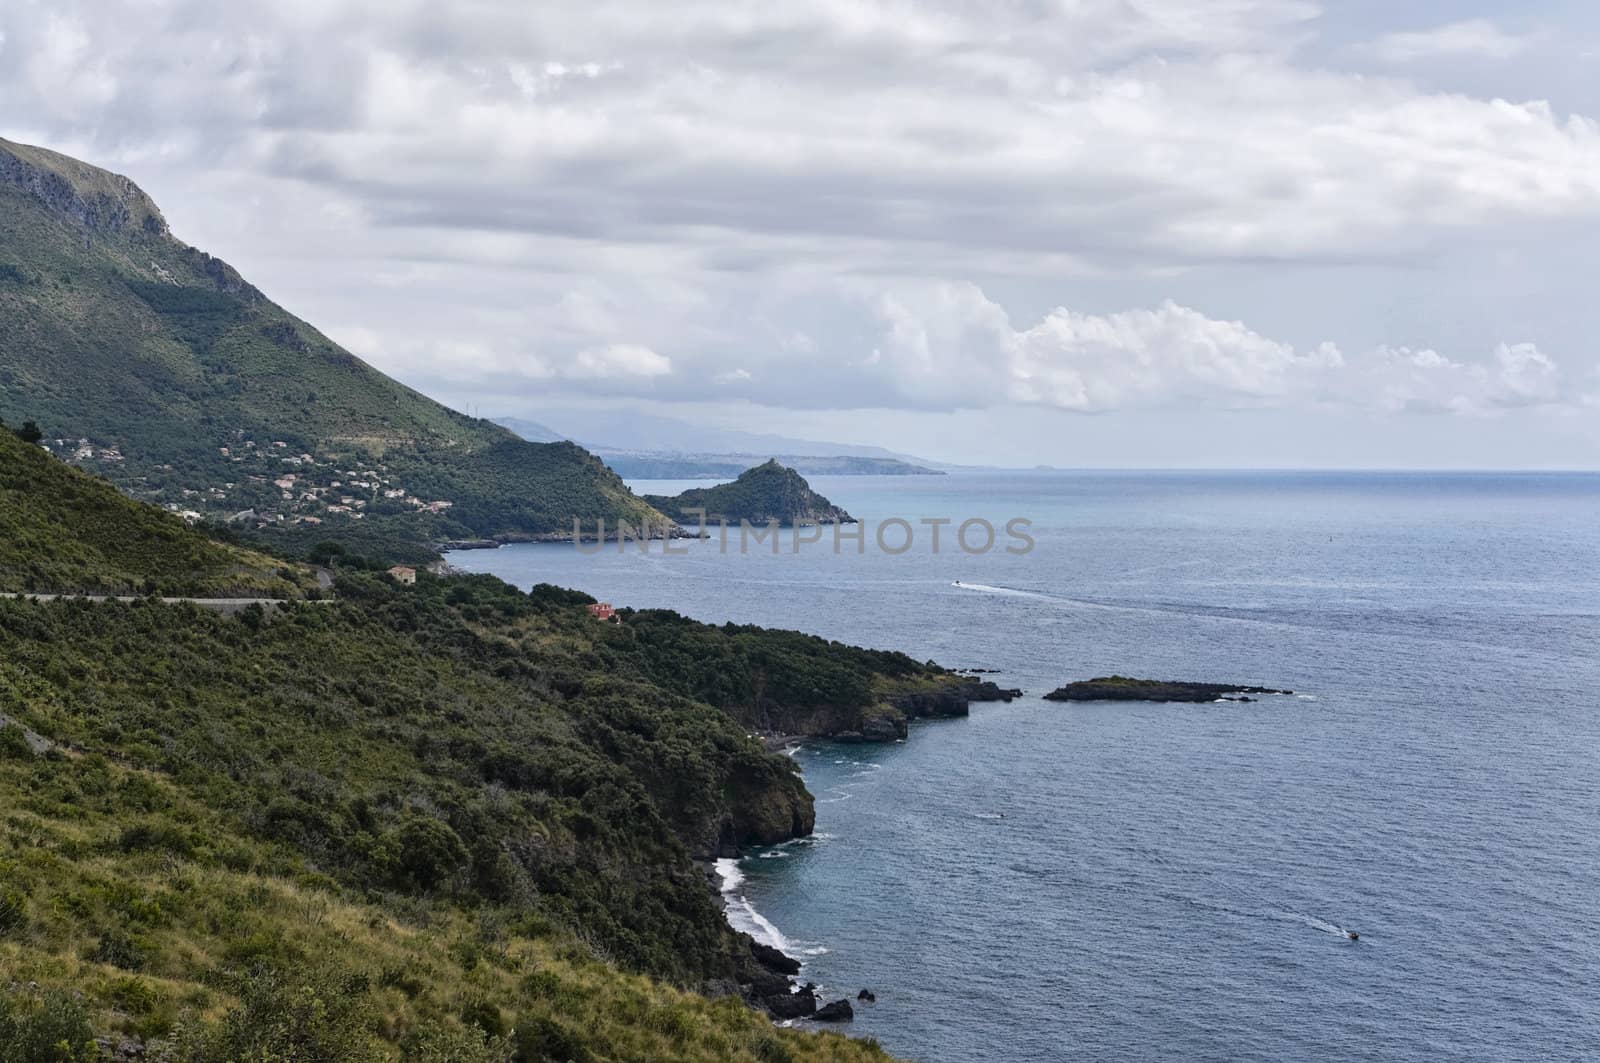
x=160, y=367
x=768, y=492
x=64, y=531
x=446, y=821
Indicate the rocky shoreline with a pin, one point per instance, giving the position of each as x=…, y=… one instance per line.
x=768, y=978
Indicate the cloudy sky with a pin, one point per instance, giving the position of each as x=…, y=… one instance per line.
x=1082, y=232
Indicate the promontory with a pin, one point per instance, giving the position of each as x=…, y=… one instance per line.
x=769, y=492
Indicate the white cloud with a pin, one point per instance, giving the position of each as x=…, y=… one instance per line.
x=1472, y=39
x=877, y=134
x=952, y=347
x=1395, y=380
x=618, y=360
x=538, y=199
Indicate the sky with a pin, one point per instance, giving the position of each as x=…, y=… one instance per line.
x=1226, y=233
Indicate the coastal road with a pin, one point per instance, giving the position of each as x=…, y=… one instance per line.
x=225, y=606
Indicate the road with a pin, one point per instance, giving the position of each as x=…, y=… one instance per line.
x=225, y=606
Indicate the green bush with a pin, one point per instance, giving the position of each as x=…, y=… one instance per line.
x=14, y=744
x=422, y=853
x=541, y=1039
x=293, y=1017
x=13, y=913
x=52, y=1030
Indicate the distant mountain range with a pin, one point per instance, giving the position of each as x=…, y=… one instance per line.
x=640, y=445
x=159, y=367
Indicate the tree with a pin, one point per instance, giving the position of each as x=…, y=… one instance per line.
x=325, y=552
x=30, y=432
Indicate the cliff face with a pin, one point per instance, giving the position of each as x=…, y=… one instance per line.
x=760, y=495
x=765, y=808
x=99, y=201
x=888, y=719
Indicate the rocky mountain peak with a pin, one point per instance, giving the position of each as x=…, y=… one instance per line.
x=96, y=199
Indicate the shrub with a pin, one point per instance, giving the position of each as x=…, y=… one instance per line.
x=120, y=949
x=13, y=913
x=435, y=1044
x=540, y=1039
x=54, y=1030
x=422, y=853
x=13, y=745
x=288, y=1017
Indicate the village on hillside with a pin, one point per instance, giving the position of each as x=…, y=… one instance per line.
x=275, y=486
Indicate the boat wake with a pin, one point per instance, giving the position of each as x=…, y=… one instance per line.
x=984, y=588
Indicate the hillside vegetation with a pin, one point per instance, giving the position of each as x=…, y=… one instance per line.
x=768, y=492
x=64, y=531
x=160, y=367
x=448, y=821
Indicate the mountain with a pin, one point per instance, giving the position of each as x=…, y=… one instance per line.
x=646, y=465
x=768, y=492
x=441, y=821
x=631, y=432
x=532, y=431
x=160, y=367
x=62, y=530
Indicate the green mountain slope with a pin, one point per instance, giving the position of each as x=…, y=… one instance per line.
x=768, y=492
x=160, y=367
x=64, y=531
x=447, y=821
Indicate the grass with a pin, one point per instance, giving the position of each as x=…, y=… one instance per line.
x=162, y=946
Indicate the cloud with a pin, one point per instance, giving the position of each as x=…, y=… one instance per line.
x=877, y=134
x=952, y=347
x=1472, y=39
x=618, y=360
x=1518, y=376
x=857, y=203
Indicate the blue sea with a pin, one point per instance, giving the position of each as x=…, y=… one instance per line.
x=1136, y=882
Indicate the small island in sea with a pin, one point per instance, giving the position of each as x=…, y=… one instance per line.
x=769, y=492
x=1121, y=688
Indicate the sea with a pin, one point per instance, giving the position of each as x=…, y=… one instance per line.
x=1046, y=881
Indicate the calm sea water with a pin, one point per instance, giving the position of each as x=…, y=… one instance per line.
x=1114, y=882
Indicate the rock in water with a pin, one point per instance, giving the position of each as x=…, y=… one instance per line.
x=796, y=1005
x=867, y=996
x=774, y=959
x=1121, y=688
x=838, y=1011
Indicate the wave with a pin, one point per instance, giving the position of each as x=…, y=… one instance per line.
x=742, y=915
